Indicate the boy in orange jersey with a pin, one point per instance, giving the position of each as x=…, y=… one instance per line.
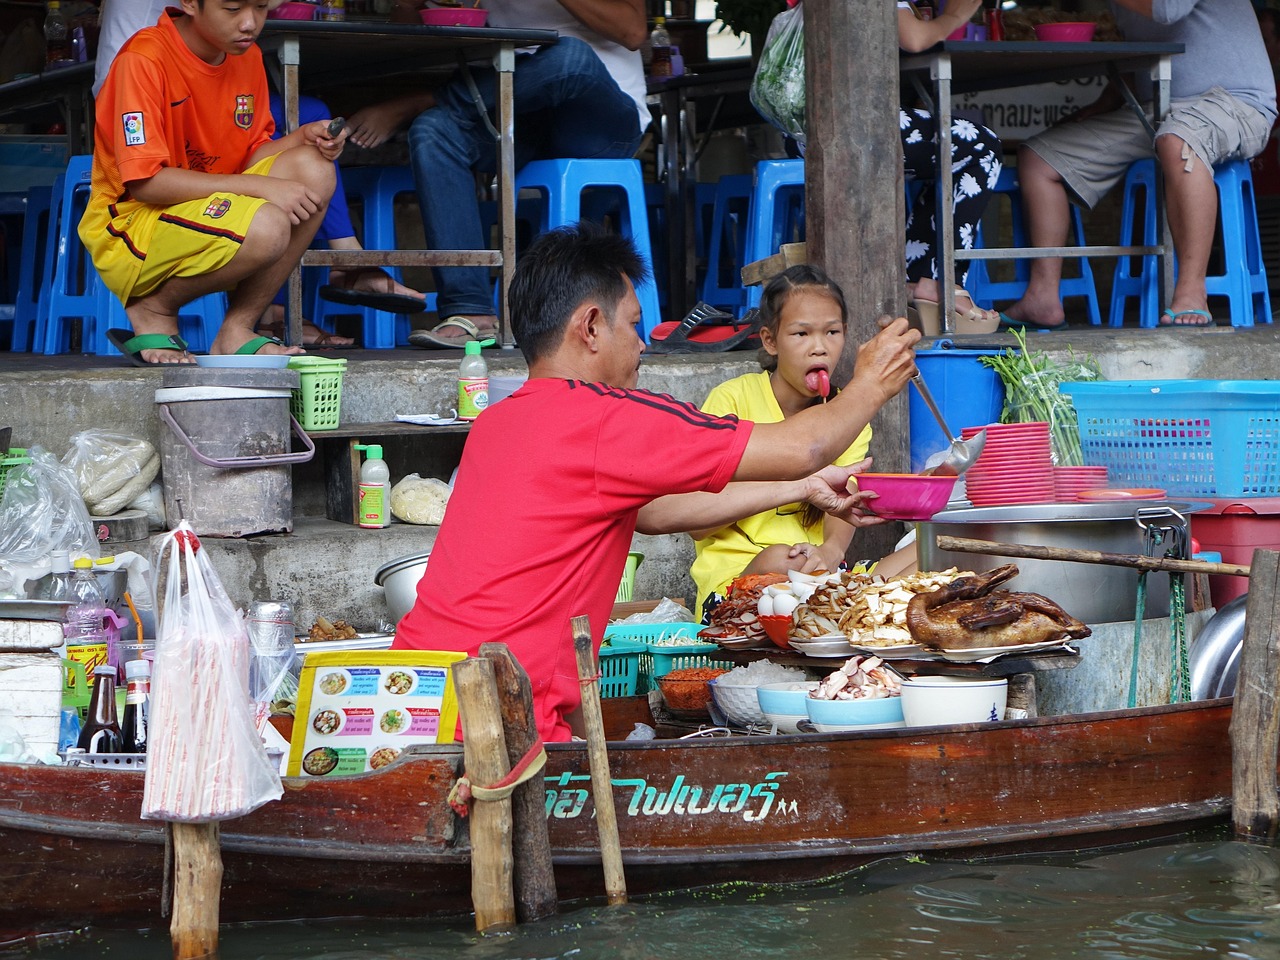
x=190, y=194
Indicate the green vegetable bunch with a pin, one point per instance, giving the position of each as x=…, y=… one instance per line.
x=777, y=89
x=1031, y=380
x=749, y=17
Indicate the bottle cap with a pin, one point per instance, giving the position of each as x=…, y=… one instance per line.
x=105, y=670
x=60, y=561
x=137, y=668
x=103, y=561
x=472, y=347
x=372, y=451
x=82, y=563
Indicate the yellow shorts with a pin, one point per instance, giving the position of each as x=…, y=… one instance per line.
x=143, y=246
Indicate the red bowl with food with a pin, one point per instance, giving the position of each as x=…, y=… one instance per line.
x=1078, y=32
x=778, y=629
x=905, y=496
x=293, y=10
x=453, y=16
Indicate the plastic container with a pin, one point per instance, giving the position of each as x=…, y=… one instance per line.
x=906, y=496
x=738, y=702
x=375, y=488
x=317, y=401
x=642, y=633
x=620, y=668
x=831, y=716
x=1235, y=528
x=453, y=16
x=626, y=588
x=473, y=382
x=17, y=456
x=929, y=701
x=293, y=10
x=1077, y=32
x=660, y=661
x=1203, y=438
x=968, y=393
x=57, y=41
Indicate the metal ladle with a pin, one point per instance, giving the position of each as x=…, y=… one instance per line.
x=962, y=453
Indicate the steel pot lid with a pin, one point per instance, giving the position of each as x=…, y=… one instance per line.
x=400, y=563
x=1065, y=512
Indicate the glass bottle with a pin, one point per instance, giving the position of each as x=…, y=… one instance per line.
x=101, y=732
x=56, y=43
x=136, y=705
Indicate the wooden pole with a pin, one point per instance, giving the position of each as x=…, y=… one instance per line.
x=197, y=887
x=615, y=884
x=485, y=758
x=1255, y=716
x=535, y=882
x=1032, y=552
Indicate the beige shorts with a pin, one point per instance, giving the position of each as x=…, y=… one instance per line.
x=1093, y=155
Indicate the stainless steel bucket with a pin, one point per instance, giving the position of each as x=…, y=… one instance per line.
x=1092, y=592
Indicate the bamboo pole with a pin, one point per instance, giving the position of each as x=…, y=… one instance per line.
x=1255, y=715
x=615, y=884
x=485, y=758
x=197, y=887
x=535, y=882
x=1032, y=552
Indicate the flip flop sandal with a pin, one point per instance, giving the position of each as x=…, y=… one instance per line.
x=1009, y=323
x=1205, y=318
x=390, y=302
x=132, y=346
x=257, y=343
x=430, y=338
x=704, y=330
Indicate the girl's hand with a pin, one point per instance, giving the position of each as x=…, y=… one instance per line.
x=810, y=558
x=317, y=135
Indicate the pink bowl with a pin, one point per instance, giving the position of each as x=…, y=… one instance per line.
x=293, y=11
x=905, y=496
x=1065, y=32
x=453, y=16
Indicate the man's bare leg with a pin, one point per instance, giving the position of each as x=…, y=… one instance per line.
x=1192, y=204
x=1048, y=213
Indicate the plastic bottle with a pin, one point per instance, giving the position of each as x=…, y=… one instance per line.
x=86, y=641
x=101, y=732
x=473, y=382
x=660, y=44
x=136, y=706
x=56, y=45
x=59, y=586
x=375, y=488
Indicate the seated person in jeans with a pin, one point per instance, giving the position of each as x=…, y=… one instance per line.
x=1223, y=105
x=583, y=97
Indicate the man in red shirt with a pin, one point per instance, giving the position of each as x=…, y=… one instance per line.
x=190, y=194
x=555, y=479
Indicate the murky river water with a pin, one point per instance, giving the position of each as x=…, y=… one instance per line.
x=1207, y=896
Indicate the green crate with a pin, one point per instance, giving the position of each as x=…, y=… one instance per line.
x=317, y=401
x=620, y=668
x=16, y=457
x=628, y=585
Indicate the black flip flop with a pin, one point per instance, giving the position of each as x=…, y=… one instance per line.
x=390, y=302
x=704, y=330
x=132, y=346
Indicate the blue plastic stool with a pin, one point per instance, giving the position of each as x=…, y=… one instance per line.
x=727, y=243
x=70, y=287
x=377, y=188
x=35, y=232
x=1243, y=280
x=776, y=214
x=563, y=183
x=984, y=291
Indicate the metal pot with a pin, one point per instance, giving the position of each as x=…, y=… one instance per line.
x=399, y=580
x=1094, y=593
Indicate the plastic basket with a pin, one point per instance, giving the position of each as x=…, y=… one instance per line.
x=620, y=668
x=1214, y=438
x=661, y=660
x=317, y=401
x=627, y=587
x=16, y=457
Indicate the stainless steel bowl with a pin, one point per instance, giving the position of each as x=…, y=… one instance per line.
x=399, y=580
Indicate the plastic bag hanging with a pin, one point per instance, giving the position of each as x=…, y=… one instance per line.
x=777, y=89
x=205, y=759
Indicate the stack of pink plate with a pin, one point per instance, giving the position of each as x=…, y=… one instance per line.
x=1015, y=465
x=1068, y=481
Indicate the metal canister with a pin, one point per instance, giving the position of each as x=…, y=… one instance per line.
x=271, y=626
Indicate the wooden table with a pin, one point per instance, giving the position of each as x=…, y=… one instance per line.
x=337, y=50
x=959, y=66
x=70, y=89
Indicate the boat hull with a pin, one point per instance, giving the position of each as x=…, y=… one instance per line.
x=690, y=812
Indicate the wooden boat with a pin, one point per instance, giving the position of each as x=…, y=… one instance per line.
x=73, y=851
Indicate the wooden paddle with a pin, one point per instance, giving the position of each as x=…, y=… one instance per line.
x=1031, y=552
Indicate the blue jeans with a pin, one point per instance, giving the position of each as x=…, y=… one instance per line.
x=566, y=105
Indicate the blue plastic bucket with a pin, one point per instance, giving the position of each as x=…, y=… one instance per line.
x=969, y=394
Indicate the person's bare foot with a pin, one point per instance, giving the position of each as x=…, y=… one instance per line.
x=229, y=340
x=927, y=289
x=144, y=321
x=272, y=324
x=374, y=125
x=1035, y=312
x=370, y=280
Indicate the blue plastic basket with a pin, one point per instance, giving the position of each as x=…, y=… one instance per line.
x=1208, y=438
x=620, y=668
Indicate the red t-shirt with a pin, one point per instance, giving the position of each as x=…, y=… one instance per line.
x=541, y=518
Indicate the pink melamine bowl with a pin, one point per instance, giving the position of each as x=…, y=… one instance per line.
x=293, y=10
x=453, y=16
x=1065, y=32
x=905, y=496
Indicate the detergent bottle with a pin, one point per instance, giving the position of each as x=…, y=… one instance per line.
x=375, y=488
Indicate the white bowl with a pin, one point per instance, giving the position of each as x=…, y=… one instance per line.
x=738, y=702
x=856, y=727
x=930, y=701
x=879, y=713
x=269, y=361
x=786, y=722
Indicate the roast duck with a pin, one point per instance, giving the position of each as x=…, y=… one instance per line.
x=970, y=612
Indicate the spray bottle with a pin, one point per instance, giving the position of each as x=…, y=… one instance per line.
x=375, y=488
x=473, y=381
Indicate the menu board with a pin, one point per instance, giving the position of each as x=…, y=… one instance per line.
x=357, y=710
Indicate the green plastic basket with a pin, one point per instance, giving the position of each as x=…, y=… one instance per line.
x=317, y=401
x=628, y=585
x=16, y=457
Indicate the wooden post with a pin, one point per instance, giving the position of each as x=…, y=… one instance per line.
x=855, y=223
x=535, y=882
x=615, y=884
x=1255, y=716
x=485, y=758
x=197, y=887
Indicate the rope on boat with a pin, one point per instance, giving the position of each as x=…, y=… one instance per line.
x=463, y=791
x=1179, y=667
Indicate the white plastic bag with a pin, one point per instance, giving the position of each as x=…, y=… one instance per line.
x=777, y=89
x=41, y=511
x=112, y=469
x=205, y=760
x=416, y=499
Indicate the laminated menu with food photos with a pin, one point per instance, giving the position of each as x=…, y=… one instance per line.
x=357, y=710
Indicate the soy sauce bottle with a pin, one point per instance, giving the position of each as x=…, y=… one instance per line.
x=136, y=705
x=101, y=732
